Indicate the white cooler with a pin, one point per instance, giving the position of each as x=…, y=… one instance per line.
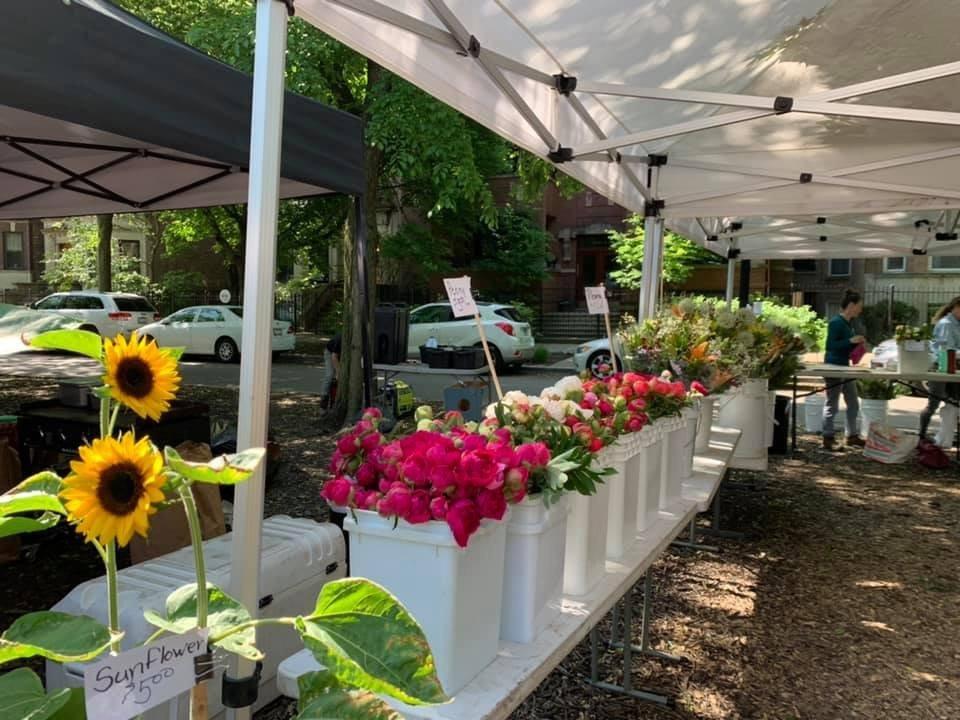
x=298, y=557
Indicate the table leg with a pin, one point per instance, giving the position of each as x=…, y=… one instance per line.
x=691, y=543
x=793, y=413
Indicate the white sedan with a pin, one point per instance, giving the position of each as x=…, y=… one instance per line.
x=212, y=330
x=595, y=357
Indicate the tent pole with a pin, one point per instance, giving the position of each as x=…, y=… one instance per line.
x=652, y=250
x=363, y=282
x=266, y=128
x=731, y=270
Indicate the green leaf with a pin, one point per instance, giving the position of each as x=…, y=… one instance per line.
x=368, y=639
x=54, y=636
x=19, y=525
x=74, y=709
x=223, y=614
x=22, y=697
x=175, y=352
x=223, y=470
x=46, y=481
x=30, y=501
x=75, y=341
x=322, y=698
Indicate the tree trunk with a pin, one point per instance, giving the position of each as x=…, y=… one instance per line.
x=105, y=238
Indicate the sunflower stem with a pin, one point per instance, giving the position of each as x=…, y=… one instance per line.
x=104, y=417
x=113, y=595
x=196, y=539
x=99, y=547
x=113, y=419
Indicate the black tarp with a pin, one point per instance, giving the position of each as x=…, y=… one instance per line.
x=100, y=112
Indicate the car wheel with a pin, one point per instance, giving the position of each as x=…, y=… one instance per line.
x=226, y=350
x=149, y=339
x=495, y=354
x=90, y=328
x=600, y=365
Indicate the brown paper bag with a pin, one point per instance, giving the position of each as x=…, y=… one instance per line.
x=168, y=528
x=9, y=478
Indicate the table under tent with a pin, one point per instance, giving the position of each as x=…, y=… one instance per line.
x=102, y=113
x=801, y=129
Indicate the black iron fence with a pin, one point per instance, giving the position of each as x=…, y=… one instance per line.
x=885, y=308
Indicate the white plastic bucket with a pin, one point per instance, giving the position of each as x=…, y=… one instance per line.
x=705, y=423
x=771, y=412
x=813, y=413
x=621, y=522
x=913, y=361
x=585, y=556
x=872, y=411
x=533, y=568
x=649, y=460
x=454, y=593
x=748, y=410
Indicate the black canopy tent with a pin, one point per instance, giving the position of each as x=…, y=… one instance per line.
x=100, y=112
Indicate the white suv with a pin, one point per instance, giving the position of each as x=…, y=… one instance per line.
x=511, y=342
x=106, y=314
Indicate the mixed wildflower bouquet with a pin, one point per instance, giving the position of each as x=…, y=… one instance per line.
x=913, y=333
x=110, y=494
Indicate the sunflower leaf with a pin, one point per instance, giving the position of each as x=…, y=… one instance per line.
x=54, y=636
x=75, y=341
x=175, y=352
x=19, y=525
x=368, y=639
x=46, y=481
x=322, y=696
x=223, y=470
x=22, y=697
x=30, y=501
x=223, y=614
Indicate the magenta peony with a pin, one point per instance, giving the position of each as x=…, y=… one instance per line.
x=463, y=517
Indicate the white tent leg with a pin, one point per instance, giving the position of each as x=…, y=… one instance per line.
x=260, y=262
x=731, y=269
x=652, y=267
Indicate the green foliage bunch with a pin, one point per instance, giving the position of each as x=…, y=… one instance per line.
x=680, y=256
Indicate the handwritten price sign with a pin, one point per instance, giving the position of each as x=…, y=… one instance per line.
x=596, y=300
x=461, y=298
x=123, y=686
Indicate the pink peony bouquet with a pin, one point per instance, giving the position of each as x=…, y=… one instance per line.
x=449, y=473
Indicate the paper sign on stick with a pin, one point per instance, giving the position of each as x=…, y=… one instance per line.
x=461, y=298
x=597, y=300
x=123, y=686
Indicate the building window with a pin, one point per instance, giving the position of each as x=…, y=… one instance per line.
x=14, y=257
x=805, y=266
x=130, y=248
x=895, y=264
x=839, y=268
x=945, y=263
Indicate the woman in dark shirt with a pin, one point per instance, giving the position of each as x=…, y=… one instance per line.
x=841, y=340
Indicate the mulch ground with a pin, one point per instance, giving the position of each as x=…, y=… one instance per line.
x=842, y=600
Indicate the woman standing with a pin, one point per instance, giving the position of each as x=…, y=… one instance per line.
x=946, y=336
x=841, y=340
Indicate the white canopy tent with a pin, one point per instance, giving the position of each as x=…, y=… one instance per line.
x=767, y=113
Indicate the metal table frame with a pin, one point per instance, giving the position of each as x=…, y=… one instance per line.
x=841, y=374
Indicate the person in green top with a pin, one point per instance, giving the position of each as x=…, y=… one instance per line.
x=841, y=340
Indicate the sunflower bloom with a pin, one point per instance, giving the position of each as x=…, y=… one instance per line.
x=111, y=490
x=140, y=375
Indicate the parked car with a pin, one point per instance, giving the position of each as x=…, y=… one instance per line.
x=510, y=339
x=595, y=357
x=106, y=314
x=212, y=330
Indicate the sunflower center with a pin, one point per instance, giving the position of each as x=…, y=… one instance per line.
x=134, y=377
x=120, y=488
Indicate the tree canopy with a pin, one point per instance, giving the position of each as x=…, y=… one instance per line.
x=680, y=256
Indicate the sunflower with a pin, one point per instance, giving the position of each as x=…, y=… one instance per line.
x=111, y=489
x=140, y=375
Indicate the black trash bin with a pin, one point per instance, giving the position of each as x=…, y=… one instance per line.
x=781, y=428
x=391, y=331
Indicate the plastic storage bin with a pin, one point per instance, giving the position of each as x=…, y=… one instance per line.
x=469, y=358
x=298, y=556
x=585, y=556
x=622, y=517
x=649, y=460
x=454, y=593
x=533, y=568
x=705, y=424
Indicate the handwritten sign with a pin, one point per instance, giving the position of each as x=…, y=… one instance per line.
x=123, y=686
x=461, y=298
x=597, y=300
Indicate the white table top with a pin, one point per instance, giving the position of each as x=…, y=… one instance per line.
x=857, y=371
x=518, y=669
x=418, y=369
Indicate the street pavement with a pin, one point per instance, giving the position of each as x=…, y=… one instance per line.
x=296, y=374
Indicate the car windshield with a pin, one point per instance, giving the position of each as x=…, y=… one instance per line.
x=133, y=304
x=509, y=313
